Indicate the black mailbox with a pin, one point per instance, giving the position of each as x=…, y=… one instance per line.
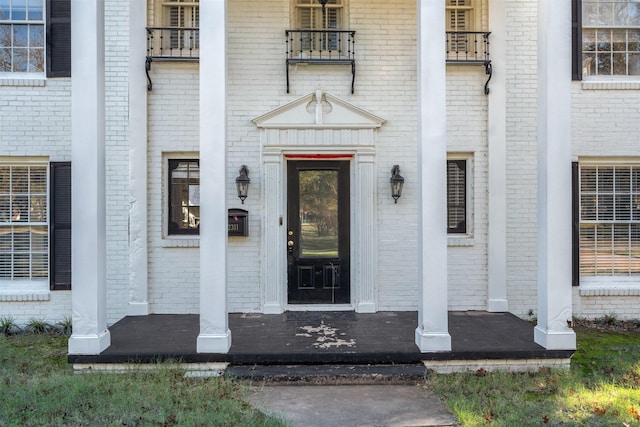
x=238, y=224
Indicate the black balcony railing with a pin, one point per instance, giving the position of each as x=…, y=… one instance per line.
x=469, y=48
x=321, y=47
x=171, y=44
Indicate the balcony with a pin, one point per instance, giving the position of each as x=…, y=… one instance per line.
x=469, y=48
x=171, y=44
x=329, y=47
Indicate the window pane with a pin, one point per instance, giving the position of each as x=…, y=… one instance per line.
x=588, y=207
x=35, y=10
x=38, y=209
x=588, y=179
x=587, y=249
x=36, y=36
x=39, y=239
x=633, y=14
x=38, y=180
x=39, y=265
x=605, y=207
x=318, y=213
x=605, y=180
x=184, y=203
x=589, y=14
x=623, y=207
x=623, y=180
x=36, y=60
x=4, y=9
x=605, y=13
x=5, y=266
x=19, y=10
x=20, y=209
x=5, y=35
x=21, y=268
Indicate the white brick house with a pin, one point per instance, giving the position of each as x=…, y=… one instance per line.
x=155, y=106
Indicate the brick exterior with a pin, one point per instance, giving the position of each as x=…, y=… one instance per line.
x=36, y=122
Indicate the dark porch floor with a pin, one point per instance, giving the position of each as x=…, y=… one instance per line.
x=321, y=338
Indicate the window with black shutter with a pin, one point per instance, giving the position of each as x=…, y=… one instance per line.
x=58, y=38
x=60, y=226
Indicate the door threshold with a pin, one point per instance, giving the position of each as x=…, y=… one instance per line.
x=319, y=307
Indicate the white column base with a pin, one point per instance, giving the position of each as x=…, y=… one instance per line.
x=272, y=309
x=214, y=343
x=498, y=305
x=366, y=307
x=138, y=309
x=89, y=344
x=433, y=341
x=555, y=340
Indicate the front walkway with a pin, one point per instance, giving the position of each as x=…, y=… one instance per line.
x=479, y=339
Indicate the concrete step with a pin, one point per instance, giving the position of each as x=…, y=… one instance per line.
x=330, y=374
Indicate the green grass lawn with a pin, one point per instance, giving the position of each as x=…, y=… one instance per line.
x=39, y=388
x=602, y=388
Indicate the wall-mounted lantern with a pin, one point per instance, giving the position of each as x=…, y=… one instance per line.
x=242, y=183
x=397, y=181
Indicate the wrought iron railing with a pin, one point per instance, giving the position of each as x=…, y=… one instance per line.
x=469, y=48
x=321, y=47
x=171, y=44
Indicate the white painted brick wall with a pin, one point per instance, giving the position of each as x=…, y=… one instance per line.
x=117, y=155
x=35, y=120
x=521, y=155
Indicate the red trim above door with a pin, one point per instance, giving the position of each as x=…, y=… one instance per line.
x=318, y=156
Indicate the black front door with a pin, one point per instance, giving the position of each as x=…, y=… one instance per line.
x=318, y=232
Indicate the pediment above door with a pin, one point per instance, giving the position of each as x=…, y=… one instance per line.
x=318, y=110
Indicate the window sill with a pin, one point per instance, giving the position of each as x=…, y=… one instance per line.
x=32, y=82
x=620, y=288
x=461, y=240
x=181, y=242
x=611, y=84
x=24, y=295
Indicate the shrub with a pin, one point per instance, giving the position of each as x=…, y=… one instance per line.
x=65, y=326
x=38, y=326
x=8, y=325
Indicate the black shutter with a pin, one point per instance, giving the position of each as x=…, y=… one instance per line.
x=60, y=226
x=58, y=38
x=576, y=39
x=575, y=213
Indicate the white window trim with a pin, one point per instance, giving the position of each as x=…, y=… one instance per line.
x=601, y=285
x=35, y=75
x=465, y=239
x=33, y=289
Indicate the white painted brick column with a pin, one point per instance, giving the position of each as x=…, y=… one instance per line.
x=554, y=176
x=215, y=336
x=138, y=262
x=432, y=333
x=89, y=296
x=497, y=157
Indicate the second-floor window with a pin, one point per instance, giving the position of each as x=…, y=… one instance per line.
x=182, y=14
x=22, y=36
x=310, y=15
x=610, y=38
x=459, y=15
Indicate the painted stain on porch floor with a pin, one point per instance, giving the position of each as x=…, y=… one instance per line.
x=325, y=336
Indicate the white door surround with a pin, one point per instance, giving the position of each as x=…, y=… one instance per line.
x=319, y=124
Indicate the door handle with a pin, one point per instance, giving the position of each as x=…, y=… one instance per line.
x=290, y=246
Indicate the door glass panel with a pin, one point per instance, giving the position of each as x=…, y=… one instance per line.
x=319, y=213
